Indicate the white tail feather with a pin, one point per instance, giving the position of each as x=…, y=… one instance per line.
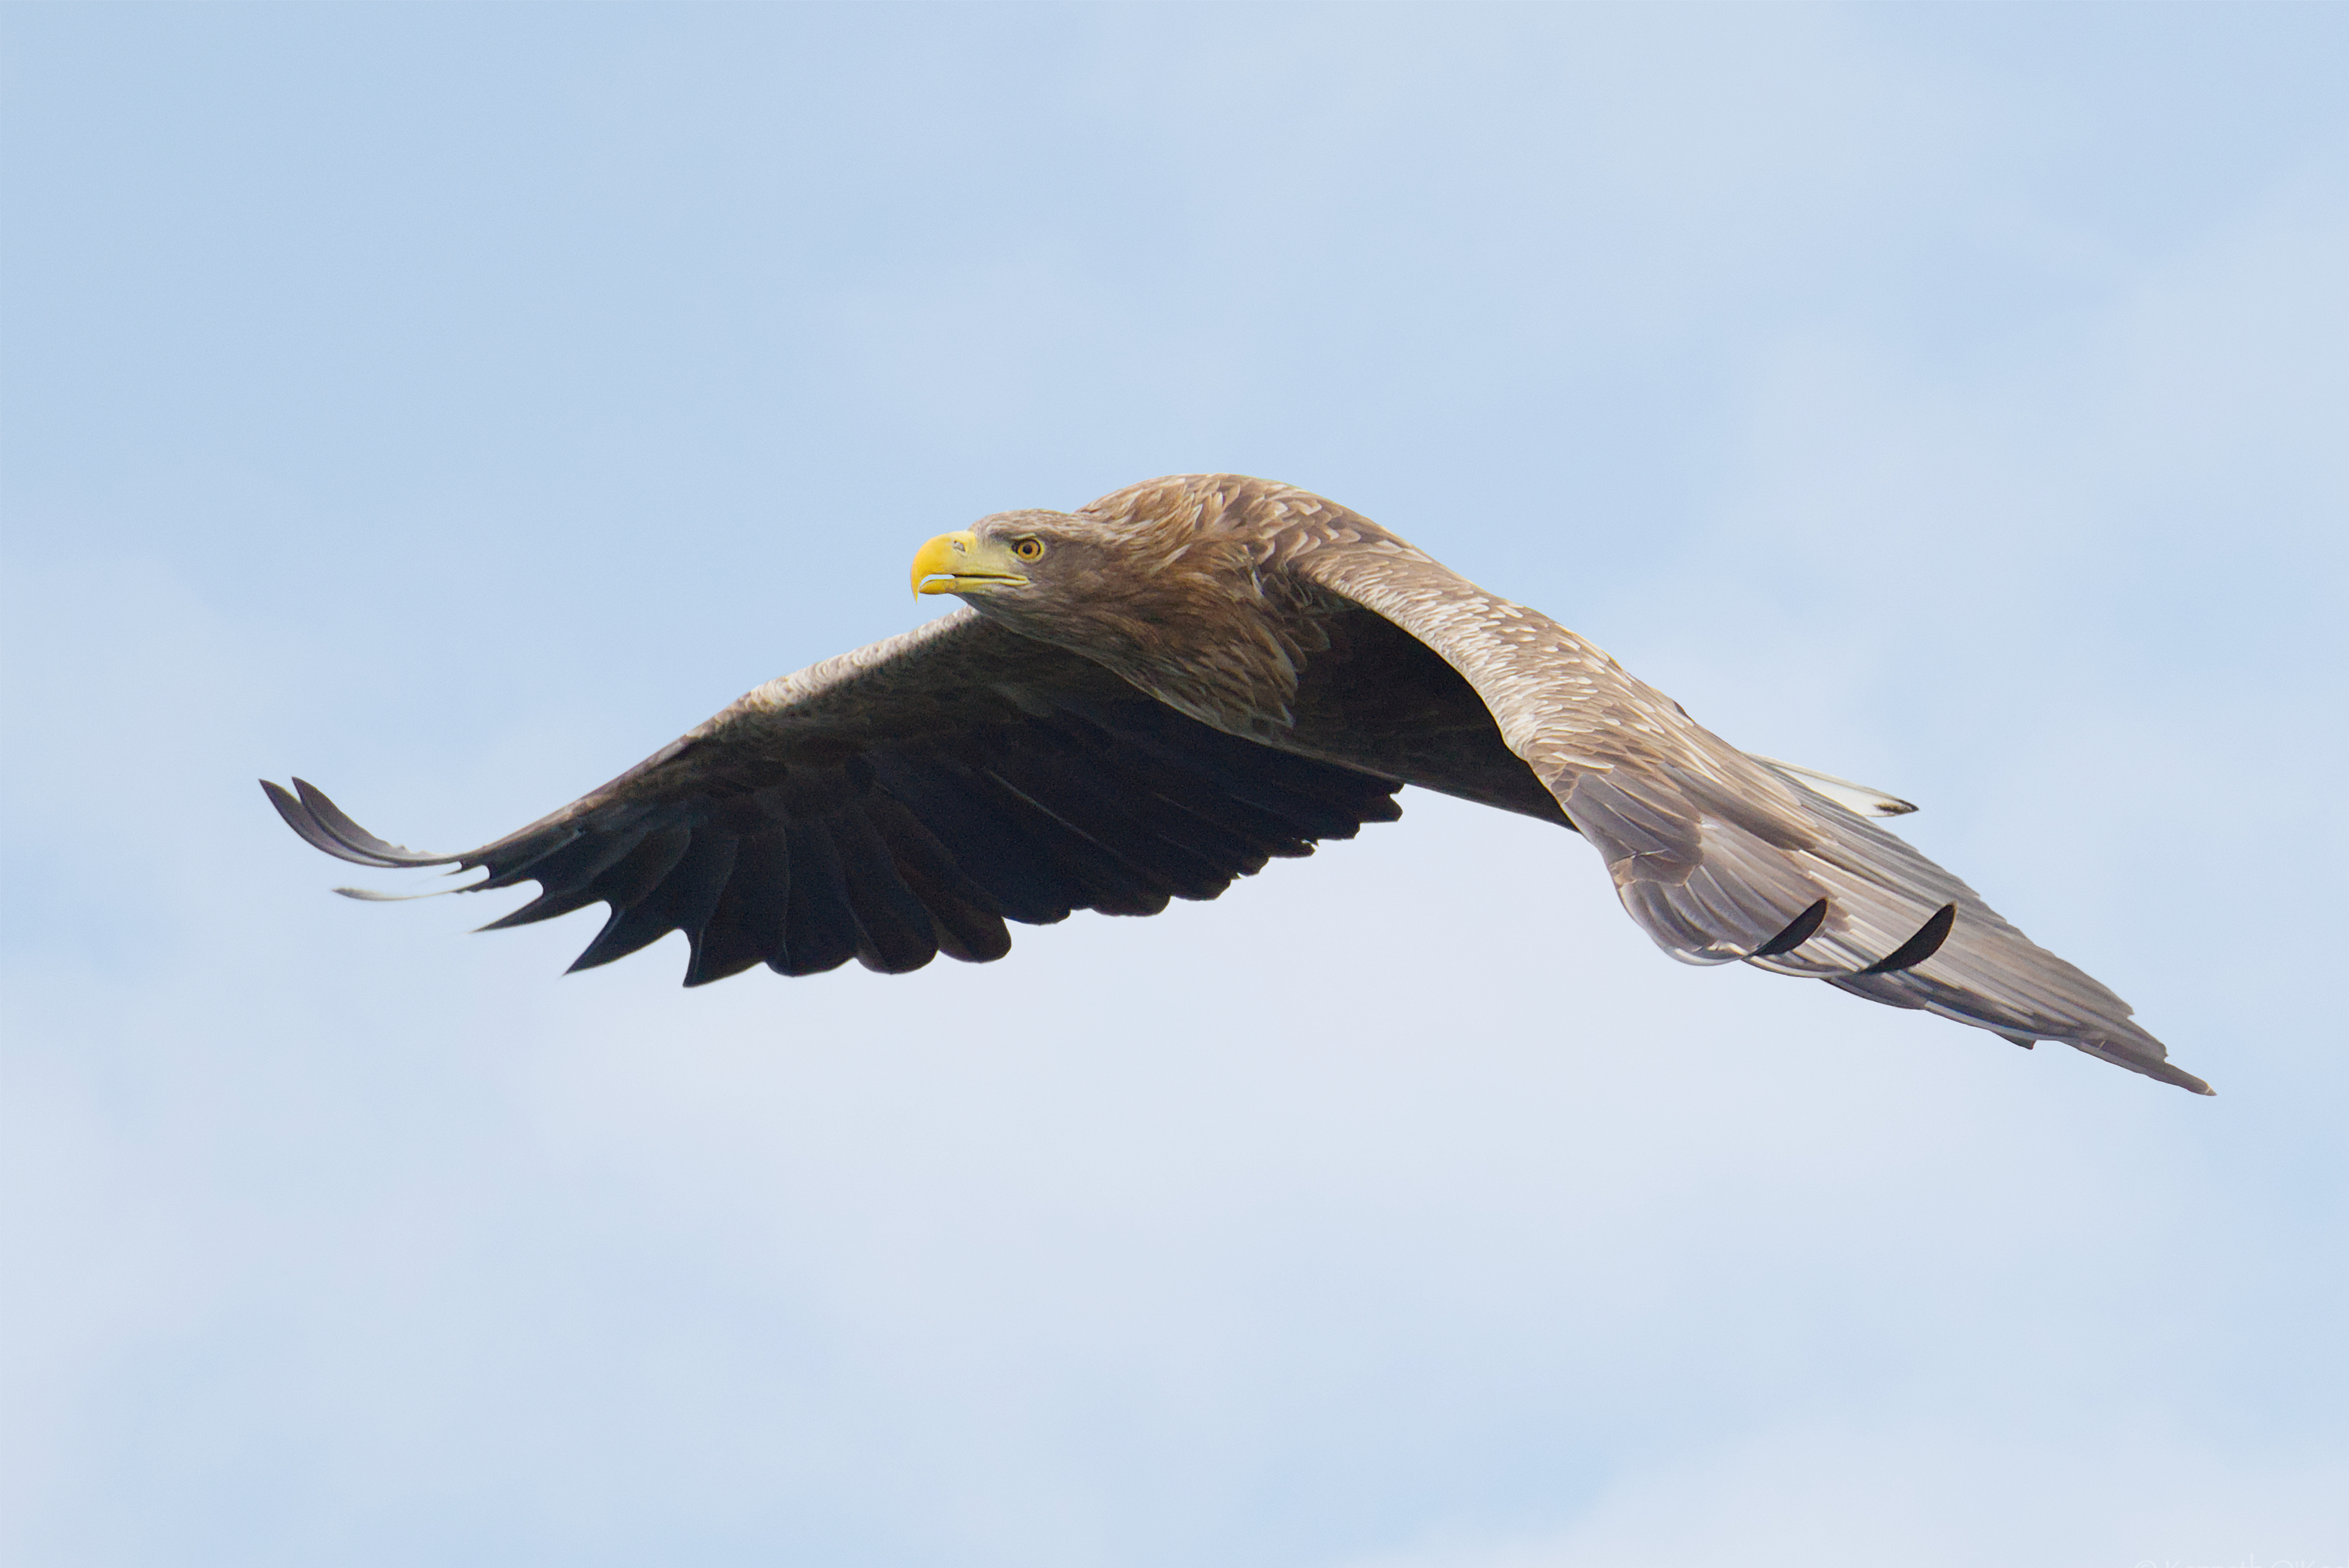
x=1852, y=798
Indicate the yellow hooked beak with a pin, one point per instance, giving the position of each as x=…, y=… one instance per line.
x=959, y=561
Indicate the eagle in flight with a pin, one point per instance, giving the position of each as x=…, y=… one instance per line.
x=1148, y=697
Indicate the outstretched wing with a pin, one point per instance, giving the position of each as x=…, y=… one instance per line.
x=902, y=801
x=1720, y=856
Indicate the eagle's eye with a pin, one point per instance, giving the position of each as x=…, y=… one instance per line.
x=1029, y=549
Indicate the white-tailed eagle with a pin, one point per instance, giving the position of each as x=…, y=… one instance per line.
x=1150, y=696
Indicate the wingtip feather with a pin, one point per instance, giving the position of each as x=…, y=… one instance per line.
x=339, y=826
x=318, y=822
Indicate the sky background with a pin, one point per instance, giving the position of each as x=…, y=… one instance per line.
x=452, y=403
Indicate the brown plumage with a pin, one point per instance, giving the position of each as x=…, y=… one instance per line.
x=1152, y=696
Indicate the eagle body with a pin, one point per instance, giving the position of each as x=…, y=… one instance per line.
x=1157, y=693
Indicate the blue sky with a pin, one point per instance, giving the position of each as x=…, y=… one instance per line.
x=452, y=403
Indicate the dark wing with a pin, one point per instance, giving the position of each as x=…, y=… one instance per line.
x=902, y=801
x=1720, y=856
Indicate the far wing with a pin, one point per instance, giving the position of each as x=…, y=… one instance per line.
x=1720, y=856
x=898, y=802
